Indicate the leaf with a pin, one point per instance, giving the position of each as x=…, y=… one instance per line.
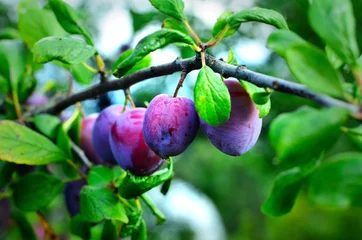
x=334, y=22
x=27, y=85
x=73, y=126
x=81, y=74
x=260, y=97
x=22, y=145
x=221, y=24
x=355, y=134
x=150, y=43
x=9, y=33
x=171, y=23
x=63, y=142
x=100, y=176
x=6, y=171
x=143, y=63
x=337, y=183
x=110, y=231
x=258, y=15
x=23, y=224
x=231, y=58
x=97, y=204
x=69, y=20
x=333, y=58
x=311, y=67
x=43, y=21
x=35, y=191
x=212, y=98
x=135, y=220
x=280, y=41
x=302, y=135
x=47, y=124
x=133, y=186
x=118, y=174
x=80, y=227
x=141, y=233
x=66, y=50
x=172, y=8
x=166, y=186
x=285, y=190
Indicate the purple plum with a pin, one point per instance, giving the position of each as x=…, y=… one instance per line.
x=86, y=142
x=128, y=144
x=36, y=99
x=170, y=125
x=72, y=196
x=241, y=131
x=101, y=132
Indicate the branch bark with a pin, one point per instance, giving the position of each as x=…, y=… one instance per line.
x=188, y=65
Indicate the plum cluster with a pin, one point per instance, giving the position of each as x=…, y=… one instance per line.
x=140, y=139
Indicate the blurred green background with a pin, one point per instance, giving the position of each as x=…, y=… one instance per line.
x=236, y=186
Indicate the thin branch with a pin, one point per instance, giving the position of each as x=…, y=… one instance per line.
x=128, y=96
x=188, y=65
x=81, y=154
x=180, y=83
x=49, y=232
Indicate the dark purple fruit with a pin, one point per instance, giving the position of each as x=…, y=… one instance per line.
x=128, y=144
x=36, y=99
x=86, y=141
x=72, y=196
x=101, y=132
x=170, y=125
x=241, y=131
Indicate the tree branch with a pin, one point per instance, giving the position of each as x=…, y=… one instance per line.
x=188, y=65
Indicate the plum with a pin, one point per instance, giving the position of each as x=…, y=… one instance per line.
x=101, y=131
x=170, y=125
x=128, y=144
x=72, y=196
x=241, y=131
x=36, y=99
x=86, y=142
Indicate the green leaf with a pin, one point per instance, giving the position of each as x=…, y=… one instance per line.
x=301, y=136
x=97, y=204
x=141, y=233
x=171, y=23
x=166, y=186
x=4, y=86
x=73, y=126
x=258, y=15
x=9, y=33
x=334, y=22
x=27, y=85
x=355, y=134
x=285, y=190
x=25, y=5
x=172, y=8
x=231, y=58
x=66, y=50
x=63, y=142
x=23, y=224
x=47, y=124
x=150, y=43
x=280, y=41
x=43, y=21
x=81, y=74
x=135, y=220
x=133, y=186
x=100, y=176
x=212, y=98
x=337, y=183
x=311, y=67
x=333, y=58
x=80, y=227
x=22, y=145
x=260, y=97
x=143, y=63
x=12, y=58
x=6, y=171
x=221, y=24
x=35, y=191
x=69, y=20
x=110, y=231
x=118, y=174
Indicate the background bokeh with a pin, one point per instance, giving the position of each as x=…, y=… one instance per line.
x=214, y=196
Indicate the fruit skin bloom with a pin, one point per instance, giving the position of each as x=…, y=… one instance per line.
x=170, y=125
x=86, y=142
x=128, y=144
x=241, y=131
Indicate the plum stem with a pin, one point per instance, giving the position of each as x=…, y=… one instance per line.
x=81, y=154
x=76, y=168
x=191, y=31
x=180, y=82
x=188, y=65
x=161, y=218
x=129, y=97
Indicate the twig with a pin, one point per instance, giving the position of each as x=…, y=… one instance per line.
x=49, y=232
x=128, y=95
x=81, y=154
x=76, y=168
x=188, y=65
x=159, y=215
x=180, y=82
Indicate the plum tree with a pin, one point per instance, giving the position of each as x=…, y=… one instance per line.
x=128, y=144
x=170, y=125
x=101, y=131
x=241, y=131
x=86, y=141
x=72, y=196
x=36, y=99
